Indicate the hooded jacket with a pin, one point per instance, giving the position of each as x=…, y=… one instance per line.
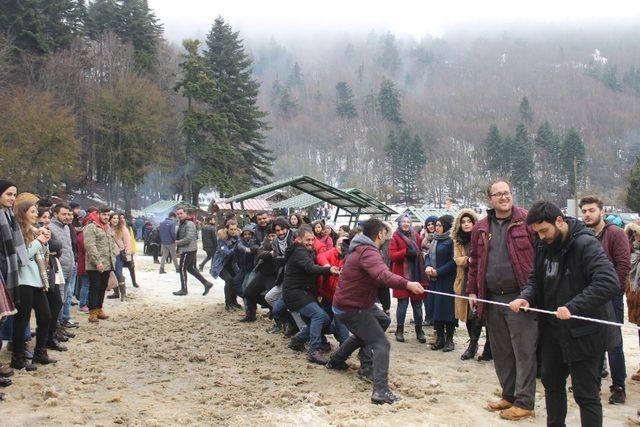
x=62, y=234
x=363, y=272
x=99, y=245
x=300, y=272
x=244, y=260
x=587, y=282
x=616, y=247
x=327, y=283
x=461, y=254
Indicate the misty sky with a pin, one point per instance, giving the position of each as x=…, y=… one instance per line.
x=256, y=18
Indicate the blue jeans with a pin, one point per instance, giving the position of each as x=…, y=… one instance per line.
x=338, y=329
x=118, y=269
x=428, y=307
x=84, y=290
x=318, y=321
x=280, y=312
x=401, y=311
x=6, y=331
x=69, y=291
x=616, y=355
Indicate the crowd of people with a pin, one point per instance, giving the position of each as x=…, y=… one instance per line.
x=53, y=257
x=314, y=281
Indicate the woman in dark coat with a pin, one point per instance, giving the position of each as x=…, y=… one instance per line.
x=407, y=261
x=441, y=269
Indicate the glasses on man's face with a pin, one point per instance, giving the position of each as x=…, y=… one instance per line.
x=500, y=195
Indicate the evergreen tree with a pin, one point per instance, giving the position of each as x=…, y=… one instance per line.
x=526, y=113
x=142, y=28
x=345, y=108
x=494, y=150
x=610, y=79
x=633, y=188
x=41, y=27
x=210, y=158
x=230, y=67
x=572, y=148
x=508, y=150
x=544, y=137
x=287, y=104
x=406, y=156
x=103, y=16
x=389, y=101
x=631, y=79
x=389, y=57
x=522, y=164
x=295, y=77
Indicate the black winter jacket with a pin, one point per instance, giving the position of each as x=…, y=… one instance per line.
x=300, y=273
x=587, y=284
x=209, y=238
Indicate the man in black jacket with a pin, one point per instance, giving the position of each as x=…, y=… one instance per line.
x=299, y=293
x=571, y=276
x=209, y=240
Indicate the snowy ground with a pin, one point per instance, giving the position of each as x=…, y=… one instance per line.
x=165, y=360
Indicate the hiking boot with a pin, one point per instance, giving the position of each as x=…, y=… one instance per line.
x=123, y=291
x=101, y=314
x=318, y=358
x=383, y=396
x=365, y=374
x=420, y=335
x=275, y=329
x=337, y=366
x=20, y=362
x=448, y=344
x=5, y=382
x=486, y=355
x=515, y=414
x=5, y=371
x=471, y=351
x=618, y=395
x=180, y=293
x=207, y=288
x=93, y=316
x=40, y=356
x=115, y=294
x=54, y=344
x=296, y=345
x=500, y=405
x=439, y=344
x=399, y=333
x=290, y=330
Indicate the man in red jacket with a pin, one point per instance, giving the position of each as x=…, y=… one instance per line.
x=616, y=247
x=354, y=305
x=501, y=260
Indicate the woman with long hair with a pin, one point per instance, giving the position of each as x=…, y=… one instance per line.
x=633, y=289
x=407, y=261
x=129, y=263
x=32, y=288
x=123, y=250
x=323, y=241
x=295, y=221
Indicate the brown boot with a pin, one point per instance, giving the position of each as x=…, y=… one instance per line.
x=101, y=315
x=5, y=371
x=515, y=414
x=499, y=405
x=93, y=316
x=636, y=376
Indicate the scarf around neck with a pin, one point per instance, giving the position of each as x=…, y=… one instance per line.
x=413, y=269
x=15, y=251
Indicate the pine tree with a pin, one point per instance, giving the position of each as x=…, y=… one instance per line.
x=572, y=148
x=210, y=157
x=287, y=104
x=103, y=16
x=610, y=79
x=142, y=28
x=544, y=137
x=406, y=157
x=526, y=113
x=230, y=67
x=494, y=150
x=522, y=164
x=389, y=57
x=389, y=101
x=345, y=107
x=633, y=188
x=295, y=79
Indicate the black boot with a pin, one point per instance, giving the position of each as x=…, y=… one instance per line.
x=207, y=288
x=448, y=344
x=439, y=344
x=471, y=351
x=115, y=294
x=250, y=316
x=132, y=273
x=400, y=333
x=383, y=396
x=420, y=335
x=54, y=344
x=486, y=353
x=123, y=291
x=290, y=330
x=19, y=361
x=40, y=356
x=182, y=291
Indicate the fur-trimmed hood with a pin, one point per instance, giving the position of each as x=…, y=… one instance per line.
x=456, y=222
x=632, y=227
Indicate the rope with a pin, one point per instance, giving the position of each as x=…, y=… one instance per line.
x=538, y=310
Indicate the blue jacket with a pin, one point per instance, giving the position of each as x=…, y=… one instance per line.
x=168, y=231
x=224, y=254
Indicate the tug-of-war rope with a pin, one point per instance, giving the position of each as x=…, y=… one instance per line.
x=538, y=310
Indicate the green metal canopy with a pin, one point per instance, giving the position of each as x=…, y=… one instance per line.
x=352, y=201
x=421, y=215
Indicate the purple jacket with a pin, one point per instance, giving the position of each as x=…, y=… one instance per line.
x=616, y=246
x=520, y=239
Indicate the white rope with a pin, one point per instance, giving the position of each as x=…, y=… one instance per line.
x=538, y=310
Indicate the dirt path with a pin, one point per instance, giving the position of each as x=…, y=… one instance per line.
x=165, y=360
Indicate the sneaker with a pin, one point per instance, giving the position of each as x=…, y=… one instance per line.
x=74, y=301
x=618, y=395
x=275, y=329
x=317, y=358
x=337, y=366
x=69, y=324
x=365, y=375
x=383, y=396
x=515, y=414
x=83, y=310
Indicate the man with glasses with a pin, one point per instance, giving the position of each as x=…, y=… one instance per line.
x=501, y=260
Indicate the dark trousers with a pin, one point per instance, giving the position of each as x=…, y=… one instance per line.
x=253, y=293
x=440, y=327
x=367, y=329
x=384, y=296
x=55, y=305
x=31, y=299
x=188, y=265
x=401, y=311
x=98, y=282
x=230, y=294
x=210, y=253
x=585, y=380
x=616, y=355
